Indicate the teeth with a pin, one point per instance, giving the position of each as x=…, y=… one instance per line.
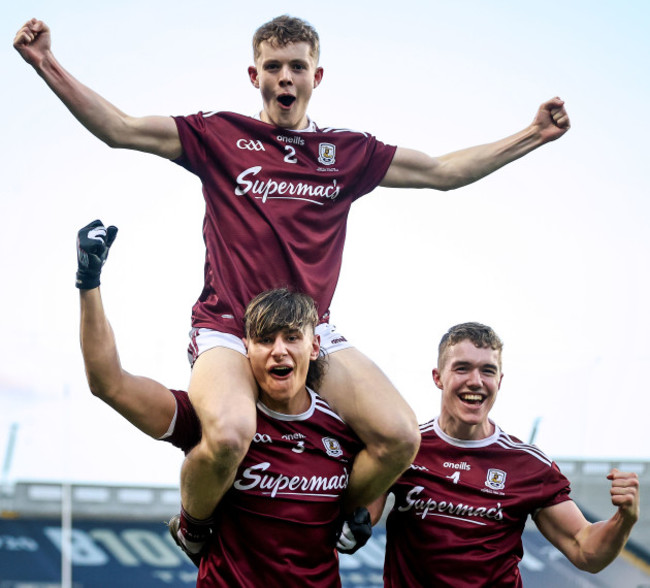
x=471, y=397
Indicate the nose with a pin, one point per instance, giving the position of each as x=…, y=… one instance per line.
x=279, y=348
x=474, y=379
x=286, y=78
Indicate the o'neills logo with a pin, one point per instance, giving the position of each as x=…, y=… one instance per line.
x=275, y=484
x=463, y=465
x=270, y=188
x=292, y=140
x=424, y=507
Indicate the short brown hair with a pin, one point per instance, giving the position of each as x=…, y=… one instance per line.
x=278, y=310
x=480, y=335
x=286, y=29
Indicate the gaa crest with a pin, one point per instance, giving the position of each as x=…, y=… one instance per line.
x=332, y=447
x=326, y=154
x=496, y=479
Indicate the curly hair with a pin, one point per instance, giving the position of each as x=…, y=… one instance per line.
x=286, y=29
x=480, y=335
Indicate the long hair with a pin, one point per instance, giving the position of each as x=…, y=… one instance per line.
x=280, y=309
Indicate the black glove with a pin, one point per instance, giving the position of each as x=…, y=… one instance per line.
x=355, y=532
x=93, y=243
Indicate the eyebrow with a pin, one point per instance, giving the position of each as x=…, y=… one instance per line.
x=461, y=363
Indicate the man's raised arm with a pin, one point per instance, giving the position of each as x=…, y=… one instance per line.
x=145, y=403
x=593, y=546
x=151, y=134
x=414, y=169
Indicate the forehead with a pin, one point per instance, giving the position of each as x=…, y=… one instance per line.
x=269, y=51
x=285, y=330
x=466, y=352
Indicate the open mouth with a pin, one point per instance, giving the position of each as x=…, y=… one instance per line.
x=286, y=100
x=281, y=371
x=475, y=399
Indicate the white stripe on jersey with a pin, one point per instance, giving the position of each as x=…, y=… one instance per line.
x=426, y=427
x=323, y=407
x=498, y=438
x=333, y=130
x=507, y=443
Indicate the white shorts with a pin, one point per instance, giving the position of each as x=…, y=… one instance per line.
x=202, y=339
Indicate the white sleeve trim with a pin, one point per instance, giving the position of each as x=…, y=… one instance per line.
x=172, y=425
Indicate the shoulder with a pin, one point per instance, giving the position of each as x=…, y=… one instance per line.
x=514, y=446
x=207, y=118
x=325, y=416
x=343, y=132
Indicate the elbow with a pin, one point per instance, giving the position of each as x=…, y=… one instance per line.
x=98, y=389
x=102, y=388
x=591, y=568
x=111, y=142
x=593, y=563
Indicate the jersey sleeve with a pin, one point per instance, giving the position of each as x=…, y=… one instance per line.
x=556, y=488
x=190, y=130
x=378, y=157
x=186, y=430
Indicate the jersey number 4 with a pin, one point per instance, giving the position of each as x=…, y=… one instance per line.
x=454, y=477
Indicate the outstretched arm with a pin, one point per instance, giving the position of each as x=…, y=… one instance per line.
x=152, y=134
x=148, y=405
x=593, y=546
x=414, y=169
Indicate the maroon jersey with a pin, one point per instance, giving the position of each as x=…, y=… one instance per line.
x=277, y=525
x=277, y=203
x=461, y=507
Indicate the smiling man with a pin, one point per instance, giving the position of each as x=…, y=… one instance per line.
x=278, y=190
x=460, y=509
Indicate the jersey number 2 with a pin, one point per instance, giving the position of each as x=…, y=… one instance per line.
x=290, y=157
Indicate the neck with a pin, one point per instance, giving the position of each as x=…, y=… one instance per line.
x=465, y=431
x=296, y=405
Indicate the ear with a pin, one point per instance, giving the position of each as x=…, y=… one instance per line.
x=436, y=377
x=315, y=348
x=245, y=341
x=254, y=76
x=318, y=77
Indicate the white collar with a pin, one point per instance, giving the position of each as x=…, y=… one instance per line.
x=310, y=128
x=281, y=416
x=467, y=443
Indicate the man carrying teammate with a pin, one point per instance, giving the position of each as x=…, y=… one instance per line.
x=289, y=487
x=276, y=216
x=461, y=507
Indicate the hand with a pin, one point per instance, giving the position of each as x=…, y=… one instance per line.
x=32, y=41
x=625, y=493
x=93, y=243
x=355, y=532
x=552, y=120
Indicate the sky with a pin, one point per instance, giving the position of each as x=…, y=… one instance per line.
x=551, y=251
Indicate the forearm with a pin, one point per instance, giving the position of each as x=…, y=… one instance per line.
x=466, y=166
x=599, y=544
x=414, y=169
x=103, y=368
x=152, y=134
x=99, y=116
